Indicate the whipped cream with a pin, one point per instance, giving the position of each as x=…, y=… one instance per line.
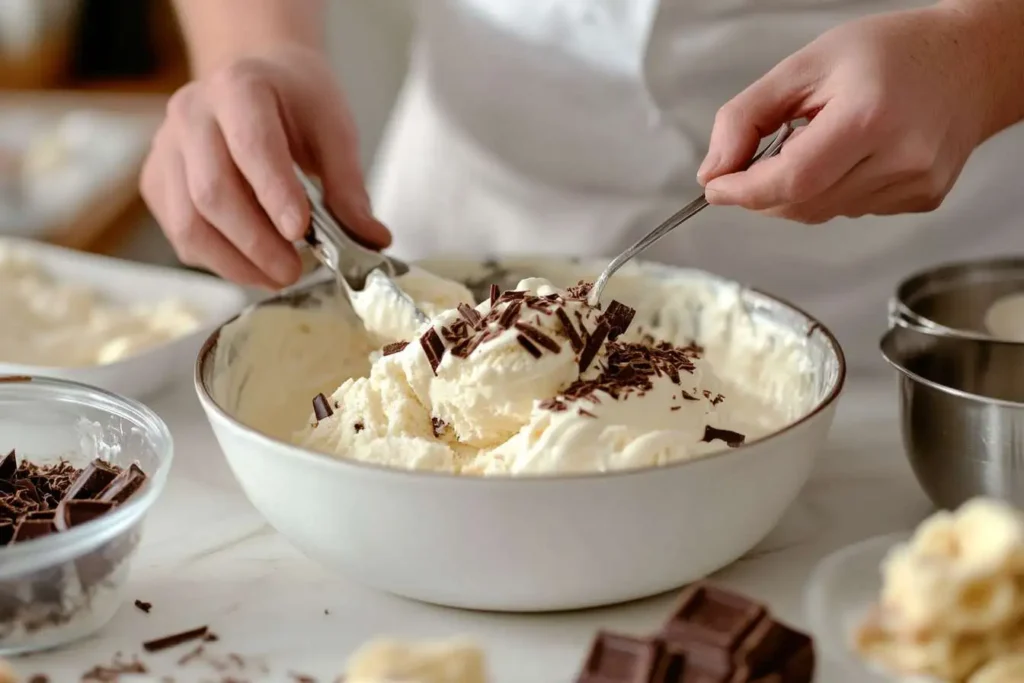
x=952, y=602
x=505, y=407
x=51, y=323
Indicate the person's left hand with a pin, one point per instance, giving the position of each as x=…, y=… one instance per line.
x=896, y=104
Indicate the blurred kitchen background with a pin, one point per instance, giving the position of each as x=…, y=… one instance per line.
x=83, y=85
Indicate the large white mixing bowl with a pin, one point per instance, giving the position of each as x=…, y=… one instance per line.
x=542, y=543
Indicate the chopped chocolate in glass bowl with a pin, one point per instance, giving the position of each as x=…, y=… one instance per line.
x=42, y=500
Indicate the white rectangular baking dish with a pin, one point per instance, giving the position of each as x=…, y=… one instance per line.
x=141, y=375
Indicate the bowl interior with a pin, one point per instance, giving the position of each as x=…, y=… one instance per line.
x=691, y=304
x=959, y=296
x=979, y=367
x=45, y=420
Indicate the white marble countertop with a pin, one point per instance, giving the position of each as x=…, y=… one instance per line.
x=209, y=559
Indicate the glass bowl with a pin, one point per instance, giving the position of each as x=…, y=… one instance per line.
x=64, y=586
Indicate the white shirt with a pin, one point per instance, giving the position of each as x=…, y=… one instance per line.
x=574, y=126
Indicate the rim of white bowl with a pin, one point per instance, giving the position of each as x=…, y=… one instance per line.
x=21, y=558
x=209, y=404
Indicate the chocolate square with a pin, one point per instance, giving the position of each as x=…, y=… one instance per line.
x=615, y=658
x=712, y=616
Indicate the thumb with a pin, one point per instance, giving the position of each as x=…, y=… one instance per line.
x=336, y=149
x=777, y=98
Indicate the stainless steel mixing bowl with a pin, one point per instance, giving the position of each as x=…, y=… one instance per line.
x=954, y=298
x=961, y=391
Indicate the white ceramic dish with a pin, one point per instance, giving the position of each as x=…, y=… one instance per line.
x=542, y=543
x=119, y=280
x=842, y=589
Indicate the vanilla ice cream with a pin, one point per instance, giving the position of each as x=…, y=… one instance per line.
x=952, y=603
x=530, y=381
x=51, y=323
x=432, y=661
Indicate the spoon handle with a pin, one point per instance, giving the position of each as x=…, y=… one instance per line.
x=678, y=218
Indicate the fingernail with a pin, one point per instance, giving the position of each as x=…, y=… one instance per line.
x=707, y=168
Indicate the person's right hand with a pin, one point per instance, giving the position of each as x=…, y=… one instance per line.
x=219, y=176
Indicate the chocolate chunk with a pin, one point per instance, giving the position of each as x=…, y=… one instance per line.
x=616, y=658
x=8, y=466
x=437, y=425
x=733, y=439
x=538, y=337
x=124, y=485
x=433, y=347
x=731, y=638
x=91, y=481
x=618, y=316
x=28, y=530
x=570, y=330
x=322, y=407
x=597, y=338
x=175, y=639
x=72, y=513
x=530, y=347
x=493, y=296
x=144, y=606
x=394, y=347
x=470, y=314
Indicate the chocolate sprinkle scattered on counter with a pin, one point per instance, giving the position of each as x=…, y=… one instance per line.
x=144, y=606
x=321, y=407
x=675, y=408
x=733, y=439
x=175, y=639
x=394, y=347
x=433, y=347
x=113, y=672
x=687, y=396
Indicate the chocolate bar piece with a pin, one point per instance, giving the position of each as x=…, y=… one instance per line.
x=91, y=481
x=735, y=640
x=615, y=658
x=124, y=485
x=28, y=529
x=71, y=513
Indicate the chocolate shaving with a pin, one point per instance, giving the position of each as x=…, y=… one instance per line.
x=470, y=314
x=675, y=408
x=509, y=315
x=175, y=639
x=113, y=672
x=733, y=439
x=494, y=293
x=539, y=337
x=437, y=425
x=394, y=347
x=322, y=407
x=688, y=396
x=358, y=427
x=144, y=606
x=530, y=347
x=585, y=413
x=618, y=317
x=433, y=347
x=597, y=338
x=579, y=291
x=8, y=466
x=570, y=330
x=467, y=346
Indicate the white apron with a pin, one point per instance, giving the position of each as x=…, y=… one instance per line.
x=574, y=126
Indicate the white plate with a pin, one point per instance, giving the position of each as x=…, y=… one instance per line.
x=840, y=592
x=119, y=280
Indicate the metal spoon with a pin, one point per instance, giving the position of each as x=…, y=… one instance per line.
x=367, y=276
x=677, y=219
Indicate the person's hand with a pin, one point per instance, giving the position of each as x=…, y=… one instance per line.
x=896, y=106
x=220, y=178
